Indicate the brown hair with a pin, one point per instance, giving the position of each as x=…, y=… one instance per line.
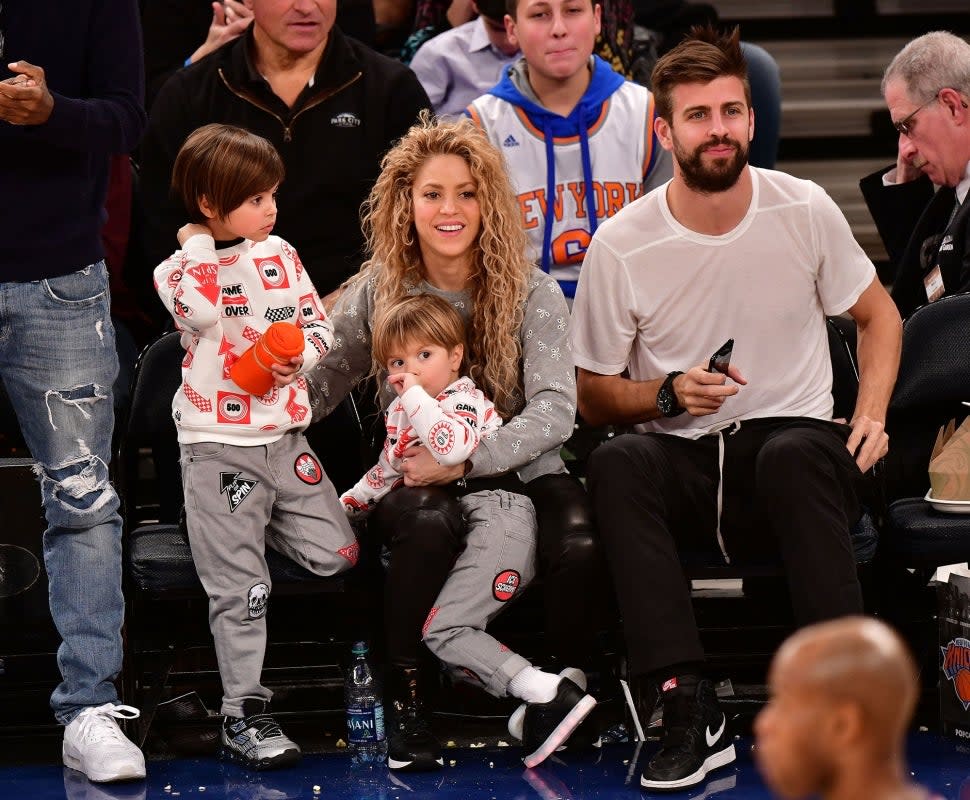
x=226, y=165
x=419, y=317
x=703, y=56
x=500, y=276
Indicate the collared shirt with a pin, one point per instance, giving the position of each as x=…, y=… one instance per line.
x=964, y=186
x=459, y=65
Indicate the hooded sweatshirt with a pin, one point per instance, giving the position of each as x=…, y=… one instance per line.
x=591, y=163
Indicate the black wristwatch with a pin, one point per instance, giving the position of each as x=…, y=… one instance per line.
x=667, y=403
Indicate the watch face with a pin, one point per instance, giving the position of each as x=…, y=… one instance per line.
x=664, y=400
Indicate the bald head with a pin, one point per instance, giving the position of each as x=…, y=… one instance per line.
x=858, y=660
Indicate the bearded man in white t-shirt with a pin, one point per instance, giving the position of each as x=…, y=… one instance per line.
x=748, y=460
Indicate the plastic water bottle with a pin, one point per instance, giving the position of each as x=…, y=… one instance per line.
x=365, y=712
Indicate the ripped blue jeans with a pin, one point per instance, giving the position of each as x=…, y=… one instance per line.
x=58, y=362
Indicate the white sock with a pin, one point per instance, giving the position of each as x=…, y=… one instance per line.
x=534, y=686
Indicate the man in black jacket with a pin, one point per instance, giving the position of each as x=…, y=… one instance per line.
x=71, y=99
x=927, y=234
x=330, y=105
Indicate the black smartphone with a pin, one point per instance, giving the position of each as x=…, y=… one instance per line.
x=720, y=360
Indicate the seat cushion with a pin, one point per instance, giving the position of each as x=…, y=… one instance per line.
x=921, y=536
x=160, y=561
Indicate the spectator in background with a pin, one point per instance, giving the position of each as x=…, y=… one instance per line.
x=756, y=467
x=463, y=63
x=180, y=32
x=70, y=98
x=842, y=695
x=926, y=233
x=578, y=139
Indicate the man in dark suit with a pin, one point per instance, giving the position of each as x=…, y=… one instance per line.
x=926, y=232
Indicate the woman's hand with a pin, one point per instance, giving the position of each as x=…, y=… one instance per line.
x=420, y=469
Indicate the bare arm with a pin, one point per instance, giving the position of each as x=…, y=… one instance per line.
x=880, y=340
x=614, y=399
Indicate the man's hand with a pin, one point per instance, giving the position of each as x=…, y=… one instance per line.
x=870, y=439
x=25, y=99
x=702, y=392
x=905, y=170
x=402, y=381
x=285, y=374
x=420, y=469
x=229, y=21
x=191, y=229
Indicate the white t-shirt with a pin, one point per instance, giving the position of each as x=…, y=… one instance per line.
x=654, y=297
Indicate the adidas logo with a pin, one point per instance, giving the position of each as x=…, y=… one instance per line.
x=510, y=141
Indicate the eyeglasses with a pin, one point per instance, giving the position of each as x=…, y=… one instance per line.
x=905, y=125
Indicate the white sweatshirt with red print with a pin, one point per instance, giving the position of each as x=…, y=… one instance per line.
x=449, y=425
x=222, y=301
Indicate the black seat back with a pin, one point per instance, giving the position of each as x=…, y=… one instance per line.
x=933, y=383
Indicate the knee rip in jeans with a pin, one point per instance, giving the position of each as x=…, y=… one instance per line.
x=78, y=397
x=80, y=484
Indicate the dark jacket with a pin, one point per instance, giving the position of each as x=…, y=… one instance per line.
x=910, y=217
x=331, y=142
x=54, y=176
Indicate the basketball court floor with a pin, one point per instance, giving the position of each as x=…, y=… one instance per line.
x=486, y=773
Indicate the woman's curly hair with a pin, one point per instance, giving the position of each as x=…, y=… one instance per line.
x=500, y=268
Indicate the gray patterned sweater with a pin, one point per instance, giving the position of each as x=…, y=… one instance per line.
x=528, y=443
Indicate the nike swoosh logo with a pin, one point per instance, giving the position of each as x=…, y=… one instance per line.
x=713, y=737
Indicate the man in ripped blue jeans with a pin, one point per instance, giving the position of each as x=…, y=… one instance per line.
x=67, y=102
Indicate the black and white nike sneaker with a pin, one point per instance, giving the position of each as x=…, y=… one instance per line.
x=695, y=741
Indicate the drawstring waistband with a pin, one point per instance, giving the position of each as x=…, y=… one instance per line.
x=731, y=427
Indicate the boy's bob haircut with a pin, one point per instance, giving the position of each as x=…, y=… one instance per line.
x=226, y=165
x=511, y=6
x=702, y=57
x=417, y=318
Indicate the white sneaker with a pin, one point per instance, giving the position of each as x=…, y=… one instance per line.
x=95, y=745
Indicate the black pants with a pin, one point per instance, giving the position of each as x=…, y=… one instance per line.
x=790, y=493
x=423, y=529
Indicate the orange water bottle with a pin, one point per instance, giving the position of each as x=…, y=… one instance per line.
x=278, y=345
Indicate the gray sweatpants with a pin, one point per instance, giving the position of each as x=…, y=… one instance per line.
x=497, y=563
x=238, y=500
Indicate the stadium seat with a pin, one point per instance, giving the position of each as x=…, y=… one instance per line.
x=932, y=388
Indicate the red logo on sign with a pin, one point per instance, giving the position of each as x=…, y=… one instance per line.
x=271, y=272
x=956, y=667
x=308, y=469
x=232, y=408
x=505, y=585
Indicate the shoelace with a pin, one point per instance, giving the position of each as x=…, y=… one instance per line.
x=95, y=723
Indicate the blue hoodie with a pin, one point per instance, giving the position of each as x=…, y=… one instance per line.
x=604, y=83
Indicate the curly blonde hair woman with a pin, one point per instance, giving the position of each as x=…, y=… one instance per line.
x=498, y=271
x=443, y=219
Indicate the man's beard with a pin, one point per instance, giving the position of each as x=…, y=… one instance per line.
x=720, y=175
